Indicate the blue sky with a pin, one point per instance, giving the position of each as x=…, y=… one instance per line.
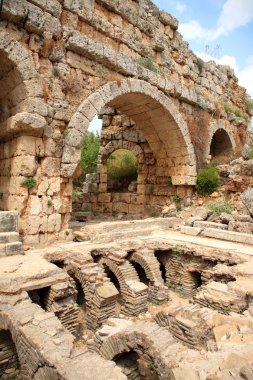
x=220, y=30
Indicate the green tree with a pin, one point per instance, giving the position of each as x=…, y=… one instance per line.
x=89, y=153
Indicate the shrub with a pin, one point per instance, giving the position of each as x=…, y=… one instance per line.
x=122, y=165
x=148, y=62
x=219, y=206
x=29, y=182
x=49, y=203
x=207, y=180
x=177, y=202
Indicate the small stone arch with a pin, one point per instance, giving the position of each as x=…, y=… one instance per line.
x=158, y=293
x=144, y=338
x=155, y=114
x=221, y=140
x=19, y=80
x=134, y=293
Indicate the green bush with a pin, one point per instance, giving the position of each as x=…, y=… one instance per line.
x=122, y=165
x=169, y=183
x=251, y=153
x=219, y=206
x=29, y=182
x=249, y=105
x=207, y=180
x=89, y=153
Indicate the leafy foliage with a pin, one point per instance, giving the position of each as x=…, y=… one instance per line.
x=219, y=206
x=121, y=165
x=207, y=180
x=29, y=182
x=249, y=105
x=89, y=153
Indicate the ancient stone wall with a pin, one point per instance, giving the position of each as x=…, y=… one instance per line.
x=62, y=61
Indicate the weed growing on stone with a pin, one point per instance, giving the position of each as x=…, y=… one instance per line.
x=29, y=182
x=49, y=203
x=207, y=180
x=75, y=195
x=148, y=62
x=177, y=250
x=1, y=195
x=169, y=182
x=249, y=105
x=219, y=206
x=177, y=201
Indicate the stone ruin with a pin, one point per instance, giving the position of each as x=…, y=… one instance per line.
x=62, y=62
x=139, y=301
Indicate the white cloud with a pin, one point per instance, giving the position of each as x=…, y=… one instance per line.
x=246, y=78
x=193, y=30
x=234, y=14
x=180, y=7
x=224, y=60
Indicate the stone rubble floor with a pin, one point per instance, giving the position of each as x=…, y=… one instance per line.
x=23, y=272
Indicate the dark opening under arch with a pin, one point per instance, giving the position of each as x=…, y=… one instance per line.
x=220, y=144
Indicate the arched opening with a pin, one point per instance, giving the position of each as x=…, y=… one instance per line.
x=136, y=366
x=122, y=171
x=221, y=144
x=158, y=120
x=40, y=296
x=160, y=257
x=197, y=278
x=115, y=281
x=9, y=363
x=141, y=273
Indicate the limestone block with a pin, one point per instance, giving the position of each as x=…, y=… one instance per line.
x=14, y=202
x=70, y=155
x=54, y=223
x=39, y=21
x=39, y=147
x=120, y=207
x=51, y=6
x=104, y=198
x=68, y=170
x=74, y=138
x=25, y=145
x=35, y=205
x=26, y=166
x=51, y=167
x=43, y=186
x=135, y=209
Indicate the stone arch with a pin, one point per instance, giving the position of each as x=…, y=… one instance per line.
x=156, y=116
x=134, y=293
x=19, y=80
x=220, y=140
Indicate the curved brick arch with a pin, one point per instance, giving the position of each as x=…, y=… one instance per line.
x=158, y=292
x=142, y=337
x=134, y=293
x=156, y=116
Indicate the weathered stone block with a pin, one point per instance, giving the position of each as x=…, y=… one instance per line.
x=8, y=221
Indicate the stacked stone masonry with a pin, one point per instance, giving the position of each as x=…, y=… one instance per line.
x=62, y=62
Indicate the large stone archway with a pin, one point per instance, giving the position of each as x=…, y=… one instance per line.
x=156, y=116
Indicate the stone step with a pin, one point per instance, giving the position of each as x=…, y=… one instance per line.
x=205, y=224
x=8, y=221
x=215, y=233
x=9, y=237
x=228, y=235
x=9, y=249
x=124, y=234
